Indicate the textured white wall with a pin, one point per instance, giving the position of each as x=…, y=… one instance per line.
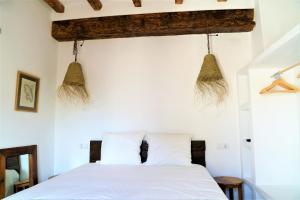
x=148, y=84
x=27, y=46
x=275, y=18
x=1, y=70
x=257, y=33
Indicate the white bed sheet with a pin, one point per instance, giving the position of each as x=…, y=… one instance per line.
x=115, y=182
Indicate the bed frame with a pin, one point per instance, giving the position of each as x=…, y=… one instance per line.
x=197, y=149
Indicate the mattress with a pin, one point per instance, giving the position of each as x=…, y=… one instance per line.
x=124, y=182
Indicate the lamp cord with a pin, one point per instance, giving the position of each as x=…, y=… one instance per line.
x=75, y=50
x=208, y=44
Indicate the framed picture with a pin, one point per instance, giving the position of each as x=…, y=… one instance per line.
x=27, y=93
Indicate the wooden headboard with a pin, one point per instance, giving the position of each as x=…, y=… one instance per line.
x=197, y=147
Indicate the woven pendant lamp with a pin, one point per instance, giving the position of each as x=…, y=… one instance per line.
x=210, y=81
x=73, y=86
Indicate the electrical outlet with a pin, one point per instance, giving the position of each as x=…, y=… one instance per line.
x=222, y=146
x=84, y=146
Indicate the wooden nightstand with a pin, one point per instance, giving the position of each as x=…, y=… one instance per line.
x=230, y=183
x=21, y=185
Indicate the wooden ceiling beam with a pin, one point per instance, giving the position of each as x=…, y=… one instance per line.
x=96, y=4
x=178, y=1
x=137, y=3
x=155, y=24
x=56, y=5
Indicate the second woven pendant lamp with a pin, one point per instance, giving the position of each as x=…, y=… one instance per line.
x=210, y=82
x=73, y=86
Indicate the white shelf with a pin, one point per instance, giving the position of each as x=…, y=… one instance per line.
x=278, y=192
x=243, y=90
x=245, y=107
x=283, y=52
x=275, y=192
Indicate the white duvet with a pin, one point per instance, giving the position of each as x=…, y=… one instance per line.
x=115, y=182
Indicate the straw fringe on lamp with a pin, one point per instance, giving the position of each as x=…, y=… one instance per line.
x=73, y=86
x=210, y=81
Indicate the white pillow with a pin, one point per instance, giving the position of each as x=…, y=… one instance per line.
x=169, y=149
x=121, y=148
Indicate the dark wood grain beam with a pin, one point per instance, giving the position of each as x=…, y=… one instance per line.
x=56, y=5
x=137, y=3
x=96, y=4
x=178, y=1
x=155, y=24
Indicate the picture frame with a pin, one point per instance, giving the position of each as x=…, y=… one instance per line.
x=27, y=92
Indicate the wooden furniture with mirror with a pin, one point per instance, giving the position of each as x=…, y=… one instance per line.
x=10, y=160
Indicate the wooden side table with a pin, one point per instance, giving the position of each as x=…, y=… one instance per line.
x=230, y=183
x=21, y=185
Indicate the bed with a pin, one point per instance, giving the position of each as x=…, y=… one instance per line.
x=94, y=181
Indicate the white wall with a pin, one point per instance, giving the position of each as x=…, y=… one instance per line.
x=276, y=18
x=148, y=84
x=257, y=33
x=1, y=70
x=27, y=46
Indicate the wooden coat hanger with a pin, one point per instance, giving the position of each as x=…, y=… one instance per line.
x=287, y=87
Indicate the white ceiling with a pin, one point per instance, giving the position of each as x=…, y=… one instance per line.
x=81, y=8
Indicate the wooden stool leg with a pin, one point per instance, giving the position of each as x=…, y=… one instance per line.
x=240, y=192
x=231, y=193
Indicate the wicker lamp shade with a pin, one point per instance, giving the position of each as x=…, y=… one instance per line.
x=210, y=81
x=73, y=86
x=74, y=75
x=210, y=70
